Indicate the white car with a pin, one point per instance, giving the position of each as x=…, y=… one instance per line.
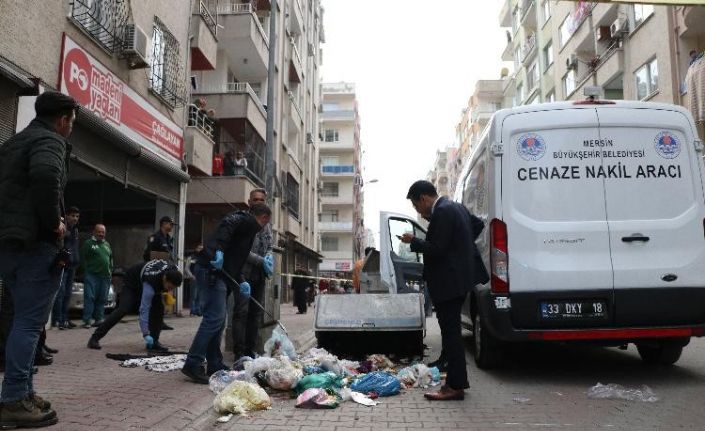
x=76, y=302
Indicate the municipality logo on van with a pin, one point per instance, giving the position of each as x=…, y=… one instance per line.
x=667, y=145
x=531, y=147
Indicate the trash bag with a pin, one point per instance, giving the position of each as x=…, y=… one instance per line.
x=220, y=379
x=363, y=399
x=613, y=390
x=380, y=362
x=260, y=364
x=435, y=374
x=316, y=398
x=313, y=369
x=239, y=365
x=284, y=377
x=349, y=367
x=407, y=377
x=279, y=344
x=322, y=381
x=241, y=397
x=382, y=383
x=424, y=377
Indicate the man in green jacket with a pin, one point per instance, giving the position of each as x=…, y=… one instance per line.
x=97, y=261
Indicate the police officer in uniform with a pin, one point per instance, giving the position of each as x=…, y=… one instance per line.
x=160, y=245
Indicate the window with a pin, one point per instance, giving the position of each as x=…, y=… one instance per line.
x=515, y=19
x=330, y=190
x=551, y=97
x=564, y=31
x=548, y=55
x=532, y=76
x=520, y=94
x=292, y=195
x=330, y=161
x=546, y=11
x=329, y=243
x=165, y=77
x=328, y=216
x=517, y=57
x=646, y=79
x=332, y=135
x=330, y=107
x=569, y=83
x=403, y=251
x=641, y=12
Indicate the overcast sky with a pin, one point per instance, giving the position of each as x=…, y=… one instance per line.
x=415, y=64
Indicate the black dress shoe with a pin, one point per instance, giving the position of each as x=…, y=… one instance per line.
x=49, y=350
x=93, y=343
x=43, y=359
x=166, y=327
x=158, y=348
x=69, y=324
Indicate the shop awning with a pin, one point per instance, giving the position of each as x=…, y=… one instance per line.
x=16, y=74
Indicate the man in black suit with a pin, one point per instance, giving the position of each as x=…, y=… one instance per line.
x=452, y=266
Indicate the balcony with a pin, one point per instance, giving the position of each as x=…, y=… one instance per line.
x=296, y=70
x=528, y=14
x=338, y=170
x=244, y=40
x=528, y=51
x=342, y=145
x=611, y=65
x=236, y=100
x=338, y=88
x=198, y=141
x=604, y=14
x=296, y=17
x=340, y=115
x=338, y=200
x=508, y=53
x=335, y=226
x=689, y=20
x=213, y=190
x=204, y=45
x=296, y=118
x=505, y=15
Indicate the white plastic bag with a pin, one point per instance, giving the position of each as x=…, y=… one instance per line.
x=279, y=344
x=221, y=379
x=613, y=390
x=283, y=376
x=241, y=397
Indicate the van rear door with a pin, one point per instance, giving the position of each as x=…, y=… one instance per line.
x=655, y=214
x=560, y=273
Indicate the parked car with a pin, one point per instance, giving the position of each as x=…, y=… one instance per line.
x=77, y=297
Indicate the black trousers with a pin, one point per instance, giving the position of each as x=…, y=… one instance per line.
x=300, y=298
x=129, y=299
x=246, y=319
x=448, y=315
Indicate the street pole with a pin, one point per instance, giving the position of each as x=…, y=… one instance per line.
x=271, y=76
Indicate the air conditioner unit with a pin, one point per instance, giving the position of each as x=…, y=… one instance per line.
x=619, y=25
x=134, y=47
x=571, y=62
x=602, y=33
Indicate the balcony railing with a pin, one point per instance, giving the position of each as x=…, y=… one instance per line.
x=335, y=225
x=204, y=9
x=338, y=169
x=232, y=87
x=526, y=7
x=528, y=47
x=254, y=155
x=295, y=50
x=104, y=21
x=198, y=119
x=233, y=7
x=294, y=103
x=348, y=114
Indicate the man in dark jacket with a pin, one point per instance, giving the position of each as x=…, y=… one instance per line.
x=144, y=284
x=161, y=242
x=452, y=266
x=221, y=260
x=60, y=311
x=33, y=174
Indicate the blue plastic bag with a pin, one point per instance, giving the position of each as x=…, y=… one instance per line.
x=312, y=369
x=380, y=382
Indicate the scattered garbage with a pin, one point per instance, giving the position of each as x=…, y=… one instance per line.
x=159, y=364
x=615, y=391
x=379, y=382
x=327, y=380
x=262, y=363
x=380, y=362
x=239, y=365
x=225, y=418
x=241, y=397
x=521, y=400
x=419, y=375
x=283, y=376
x=316, y=398
x=220, y=379
x=362, y=399
x=313, y=369
x=279, y=344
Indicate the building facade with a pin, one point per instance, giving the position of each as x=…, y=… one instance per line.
x=340, y=219
x=125, y=63
x=235, y=87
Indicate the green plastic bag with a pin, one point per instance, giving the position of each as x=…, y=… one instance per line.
x=327, y=381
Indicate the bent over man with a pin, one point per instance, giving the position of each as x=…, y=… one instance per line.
x=33, y=173
x=144, y=284
x=219, y=263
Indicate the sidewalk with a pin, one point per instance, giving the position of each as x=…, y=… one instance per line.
x=91, y=392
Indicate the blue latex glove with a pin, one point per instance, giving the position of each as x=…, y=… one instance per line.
x=148, y=341
x=245, y=288
x=268, y=265
x=218, y=262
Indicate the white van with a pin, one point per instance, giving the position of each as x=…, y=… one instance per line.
x=595, y=227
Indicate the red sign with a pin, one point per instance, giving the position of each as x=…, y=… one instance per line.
x=97, y=89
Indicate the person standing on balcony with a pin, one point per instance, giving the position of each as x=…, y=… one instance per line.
x=229, y=163
x=240, y=163
x=97, y=261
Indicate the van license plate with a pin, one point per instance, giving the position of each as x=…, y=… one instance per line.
x=564, y=310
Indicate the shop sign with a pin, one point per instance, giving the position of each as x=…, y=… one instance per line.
x=97, y=89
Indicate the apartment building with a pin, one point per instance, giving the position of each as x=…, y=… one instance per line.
x=530, y=46
x=340, y=220
x=233, y=80
x=125, y=63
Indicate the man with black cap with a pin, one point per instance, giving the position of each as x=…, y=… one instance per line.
x=33, y=173
x=160, y=245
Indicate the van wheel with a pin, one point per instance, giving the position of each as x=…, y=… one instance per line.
x=665, y=353
x=487, y=352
